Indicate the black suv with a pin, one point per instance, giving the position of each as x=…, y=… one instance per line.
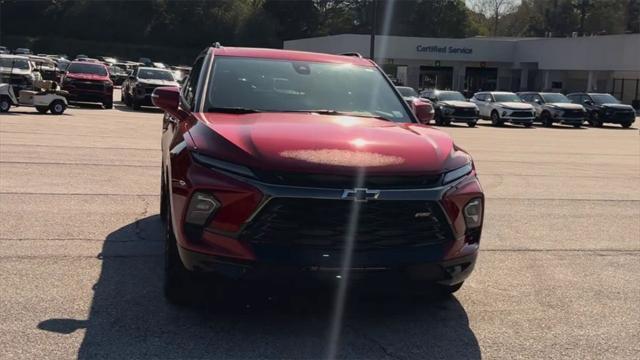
x=137, y=88
x=451, y=106
x=604, y=108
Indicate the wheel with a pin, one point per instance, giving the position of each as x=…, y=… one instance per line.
x=164, y=204
x=528, y=125
x=495, y=119
x=546, y=120
x=595, y=120
x=135, y=105
x=178, y=281
x=577, y=126
x=472, y=123
x=57, y=107
x=626, y=124
x=108, y=104
x=127, y=99
x=42, y=109
x=446, y=122
x=438, y=119
x=5, y=104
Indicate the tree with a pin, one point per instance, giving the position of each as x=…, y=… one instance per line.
x=495, y=10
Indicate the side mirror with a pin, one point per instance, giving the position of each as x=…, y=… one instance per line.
x=166, y=98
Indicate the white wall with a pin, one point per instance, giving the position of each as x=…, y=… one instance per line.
x=611, y=52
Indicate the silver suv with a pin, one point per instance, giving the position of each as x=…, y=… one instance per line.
x=555, y=108
x=501, y=107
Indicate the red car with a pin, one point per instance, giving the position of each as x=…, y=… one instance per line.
x=88, y=82
x=283, y=166
x=422, y=108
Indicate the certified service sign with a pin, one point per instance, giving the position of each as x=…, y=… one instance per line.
x=444, y=49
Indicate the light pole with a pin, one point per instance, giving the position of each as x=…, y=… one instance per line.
x=374, y=26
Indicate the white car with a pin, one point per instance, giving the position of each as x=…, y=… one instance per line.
x=501, y=107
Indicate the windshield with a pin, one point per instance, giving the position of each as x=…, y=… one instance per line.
x=279, y=85
x=117, y=70
x=451, y=95
x=555, y=98
x=155, y=74
x=86, y=68
x=407, y=91
x=17, y=63
x=507, y=98
x=604, y=99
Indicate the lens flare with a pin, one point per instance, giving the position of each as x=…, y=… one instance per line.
x=345, y=269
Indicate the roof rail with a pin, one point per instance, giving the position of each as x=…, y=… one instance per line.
x=354, y=54
x=217, y=45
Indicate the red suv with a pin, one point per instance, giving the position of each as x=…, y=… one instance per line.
x=285, y=165
x=88, y=82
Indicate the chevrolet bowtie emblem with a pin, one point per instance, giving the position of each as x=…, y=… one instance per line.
x=360, y=194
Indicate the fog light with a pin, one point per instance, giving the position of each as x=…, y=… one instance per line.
x=201, y=208
x=473, y=213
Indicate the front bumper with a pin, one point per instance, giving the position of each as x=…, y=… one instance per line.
x=462, y=119
x=228, y=245
x=618, y=117
x=364, y=268
x=85, y=95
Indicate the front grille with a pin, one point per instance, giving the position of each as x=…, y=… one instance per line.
x=149, y=89
x=322, y=224
x=573, y=114
x=524, y=114
x=348, y=181
x=88, y=85
x=623, y=115
x=471, y=112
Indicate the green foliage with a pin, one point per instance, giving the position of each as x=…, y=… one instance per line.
x=169, y=29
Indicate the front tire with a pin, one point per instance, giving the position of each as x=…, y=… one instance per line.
x=546, y=120
x=57, y=107
x=595, y=120
x=495, y=119
x=626, y=124
x=108, y=104
x=178, y=281
x=5, y=104
x=472, y=124
x=135, y=105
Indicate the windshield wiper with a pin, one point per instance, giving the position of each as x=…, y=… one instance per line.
x=343, y=113
x=233, y=110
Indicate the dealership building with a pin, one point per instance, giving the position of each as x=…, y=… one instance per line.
x=609, y=63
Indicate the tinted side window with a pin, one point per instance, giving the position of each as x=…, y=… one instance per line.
x=574, y=98
x=526, y=97
x=191, y=85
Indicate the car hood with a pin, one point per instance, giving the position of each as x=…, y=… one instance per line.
x=566, y=106
x=617, y=106
x=310, y=143
x=91, y=77
x=516, y=105
x=458, y=103
x=157, y=82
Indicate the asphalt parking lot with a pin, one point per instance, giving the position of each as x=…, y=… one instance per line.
x=81, y=266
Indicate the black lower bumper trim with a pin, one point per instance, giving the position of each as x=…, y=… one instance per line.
x=447, y=272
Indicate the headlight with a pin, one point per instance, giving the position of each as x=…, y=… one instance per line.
x=457, y=173
x=201, y=207
x=222, y=165
x=473, y=213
